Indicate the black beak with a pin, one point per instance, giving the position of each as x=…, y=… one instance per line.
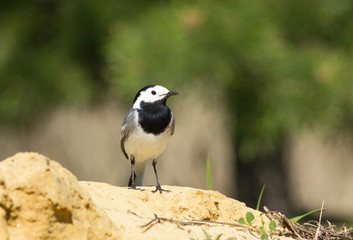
x=172, y=93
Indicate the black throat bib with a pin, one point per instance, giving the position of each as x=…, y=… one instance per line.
x=154, y=117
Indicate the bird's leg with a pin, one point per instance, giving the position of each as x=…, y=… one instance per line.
x=132, y=184
x=132, y=177
x=158, y=187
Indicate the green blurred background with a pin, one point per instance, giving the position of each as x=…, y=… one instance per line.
x=280, y=66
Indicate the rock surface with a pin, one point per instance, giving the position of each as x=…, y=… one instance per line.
x=131, y=209
x=39, y=199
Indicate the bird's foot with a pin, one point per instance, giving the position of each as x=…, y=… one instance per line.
x=135, y=188
x=159, y=188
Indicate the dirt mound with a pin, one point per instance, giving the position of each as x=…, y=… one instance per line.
x=181, y=213
x=39, y=199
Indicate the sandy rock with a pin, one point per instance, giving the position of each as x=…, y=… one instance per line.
x=131, y=209
x=39, y=199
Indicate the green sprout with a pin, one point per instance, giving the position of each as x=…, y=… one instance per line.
x=209, y=174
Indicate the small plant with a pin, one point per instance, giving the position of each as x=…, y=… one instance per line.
x=272, y=226
x=260, y=197
x=249, y=218
x=209, y=173
x=208, y=237
x=266, y=233
x=298, y=218
x=295, y=219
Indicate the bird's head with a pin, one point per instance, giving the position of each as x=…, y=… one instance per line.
x=151, y=94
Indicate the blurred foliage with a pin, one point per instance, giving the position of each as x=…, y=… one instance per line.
x=282, y=65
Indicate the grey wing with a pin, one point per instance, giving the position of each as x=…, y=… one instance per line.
x=129, y=123
x=172, y=125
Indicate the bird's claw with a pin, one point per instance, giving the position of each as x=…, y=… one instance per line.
x=135, y=188
x=159, y=188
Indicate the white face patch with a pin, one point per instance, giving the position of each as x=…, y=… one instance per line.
x=152, y=94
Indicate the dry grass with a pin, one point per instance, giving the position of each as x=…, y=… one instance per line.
x=311, y=229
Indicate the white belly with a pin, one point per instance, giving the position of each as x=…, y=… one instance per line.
x=145, y=146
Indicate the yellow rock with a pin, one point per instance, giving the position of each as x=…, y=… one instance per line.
x=131, y=209
x=39, y=199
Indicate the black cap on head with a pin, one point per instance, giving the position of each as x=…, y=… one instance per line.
x=141, y=90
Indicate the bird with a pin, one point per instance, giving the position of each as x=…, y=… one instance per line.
x=146, y=131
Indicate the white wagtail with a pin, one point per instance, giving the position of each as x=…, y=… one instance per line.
x=146, y=131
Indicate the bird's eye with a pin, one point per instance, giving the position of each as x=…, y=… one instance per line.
x=153, y=92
